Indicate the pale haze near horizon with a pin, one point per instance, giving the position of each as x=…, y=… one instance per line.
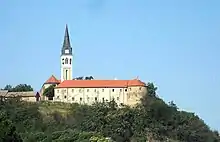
x=174, y=44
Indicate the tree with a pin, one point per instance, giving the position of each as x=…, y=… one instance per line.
x=154, y=120
x=173, y=105
x=22, y=88
x=78, y=78
x=49, y=92
x=8, y=87
x=151, y=89
x=7, y=130
x=89, y=78
x=85, y=78
x=150, y=96
x=19, y=88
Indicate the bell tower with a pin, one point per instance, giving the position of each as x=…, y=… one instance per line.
x=66, y=58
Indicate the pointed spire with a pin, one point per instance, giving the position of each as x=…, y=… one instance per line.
x=66, y=49
x=66, y=42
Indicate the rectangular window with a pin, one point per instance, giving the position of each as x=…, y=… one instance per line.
x=72, y=90
x=126, y=90
x=118, y=98
x=87, y=90
x=96, y=99
x=103, y=90
x=80, y=99
x=113, y=90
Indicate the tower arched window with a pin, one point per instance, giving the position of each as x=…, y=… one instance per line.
x=66, y=61
x=63, y=61
x=70, y=61
x=66, y=74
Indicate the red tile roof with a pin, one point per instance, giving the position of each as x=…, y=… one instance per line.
x=52, y=80
x=100, y=83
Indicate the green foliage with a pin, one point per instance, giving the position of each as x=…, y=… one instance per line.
x=85, y=78
x=89, y=78
x=151, y=120
x=18, y=88
x=8, y=87
x=99, y=139
x=49, y=92
x=7, y=129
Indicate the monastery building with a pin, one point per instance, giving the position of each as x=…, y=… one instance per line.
x=70, y=90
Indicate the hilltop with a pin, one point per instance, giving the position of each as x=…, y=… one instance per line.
x=152, y=120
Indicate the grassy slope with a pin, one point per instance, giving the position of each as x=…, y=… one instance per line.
x=50, y=107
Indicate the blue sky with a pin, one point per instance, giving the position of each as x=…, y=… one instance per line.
x=174, y=44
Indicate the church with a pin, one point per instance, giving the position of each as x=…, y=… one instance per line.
x=69, y=90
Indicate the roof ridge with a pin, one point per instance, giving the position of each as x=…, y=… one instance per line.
x=99, y=83
x=52, y=79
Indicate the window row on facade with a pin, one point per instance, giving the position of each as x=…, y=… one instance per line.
x=89, y=99
x=95, y=90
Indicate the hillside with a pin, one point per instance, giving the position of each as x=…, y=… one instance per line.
x=153, y=120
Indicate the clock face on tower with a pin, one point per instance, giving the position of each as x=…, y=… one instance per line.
x=67, y=51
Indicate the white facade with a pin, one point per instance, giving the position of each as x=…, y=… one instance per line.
x=66, y=67
x=128, y=96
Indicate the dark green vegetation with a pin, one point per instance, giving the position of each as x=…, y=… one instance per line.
x=18, y=88
x=152, y=120
x=49, y=92
x=84, y=78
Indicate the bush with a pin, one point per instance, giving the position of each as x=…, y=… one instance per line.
x=153, y=119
